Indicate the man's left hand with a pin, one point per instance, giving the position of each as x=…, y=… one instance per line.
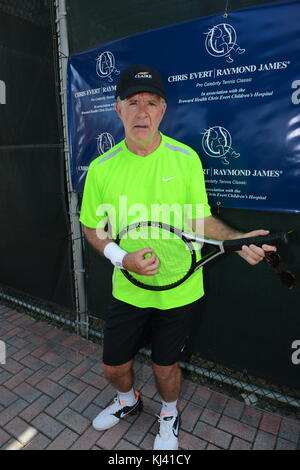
x=254, y=254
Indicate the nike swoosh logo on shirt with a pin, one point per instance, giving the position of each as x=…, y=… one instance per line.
x=167, y=179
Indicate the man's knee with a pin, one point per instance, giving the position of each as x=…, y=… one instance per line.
x=165, y=372
x=116, y=371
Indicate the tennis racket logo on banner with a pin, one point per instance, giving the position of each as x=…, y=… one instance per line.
x=217, y=143
x=106, y=66
x=221, y=42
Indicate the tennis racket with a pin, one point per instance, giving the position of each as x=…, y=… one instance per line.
x=178, y=252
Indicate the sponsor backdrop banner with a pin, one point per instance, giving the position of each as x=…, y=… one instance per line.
x=233, y=87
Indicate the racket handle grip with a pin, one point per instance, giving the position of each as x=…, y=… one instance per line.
x=271, y=239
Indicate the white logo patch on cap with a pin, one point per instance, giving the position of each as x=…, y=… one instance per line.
x=143, y=75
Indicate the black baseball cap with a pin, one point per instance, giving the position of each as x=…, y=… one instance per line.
x=138, y=78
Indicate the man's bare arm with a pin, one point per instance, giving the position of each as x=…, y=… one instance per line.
x=135, y=261
x=98, y=238
x=217, y=229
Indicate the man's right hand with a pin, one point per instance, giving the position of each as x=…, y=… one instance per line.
x=139, y=263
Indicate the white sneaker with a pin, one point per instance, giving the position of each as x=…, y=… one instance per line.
x=113, y=413
x=167, y=438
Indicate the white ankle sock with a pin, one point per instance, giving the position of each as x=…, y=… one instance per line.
x=169, y=408
x=129, y=397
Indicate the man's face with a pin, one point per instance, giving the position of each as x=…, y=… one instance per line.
x=141, y=115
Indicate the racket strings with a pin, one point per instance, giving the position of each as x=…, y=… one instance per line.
x=173, y=253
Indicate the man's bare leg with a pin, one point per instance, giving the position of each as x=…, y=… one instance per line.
x=128, y=402
x=168, y=381
x=120, y=377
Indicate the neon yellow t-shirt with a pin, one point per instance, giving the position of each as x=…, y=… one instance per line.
x=124, y=188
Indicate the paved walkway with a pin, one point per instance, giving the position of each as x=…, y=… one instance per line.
x=51, y=388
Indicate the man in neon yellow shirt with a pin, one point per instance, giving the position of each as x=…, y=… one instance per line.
x=145, y=169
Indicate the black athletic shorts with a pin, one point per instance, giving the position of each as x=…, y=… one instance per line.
x=128, y=328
